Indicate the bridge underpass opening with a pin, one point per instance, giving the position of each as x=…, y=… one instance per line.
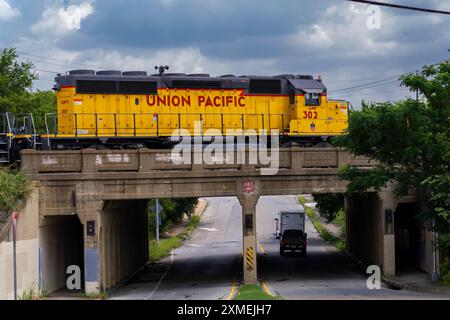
x=322, y=264
x=206, y=264
x=60, y=246
x=123, y=246
x=410, y=239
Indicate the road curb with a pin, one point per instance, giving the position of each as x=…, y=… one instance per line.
x=417, y=288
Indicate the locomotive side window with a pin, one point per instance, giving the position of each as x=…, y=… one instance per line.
x=138, y=87
x=265, y=86
x=89, y=86
x=196, y=84
x=312, y=99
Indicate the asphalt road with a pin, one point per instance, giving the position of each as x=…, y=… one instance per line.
x=205, y=267
x=208, y=265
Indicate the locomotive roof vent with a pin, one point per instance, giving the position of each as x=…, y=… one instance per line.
x=198, y=75
x=303, y=76
x=82, y=71
x=135, y=73
x=175, y=74
x=284, y=76
x=228, y=76
x=109, y=73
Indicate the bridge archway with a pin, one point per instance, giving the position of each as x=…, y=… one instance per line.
x=60, y=246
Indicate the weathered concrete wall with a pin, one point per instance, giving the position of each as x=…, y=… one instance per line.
x=149, y=160
x=363, y=228
x=124, y=241
x=27, y=253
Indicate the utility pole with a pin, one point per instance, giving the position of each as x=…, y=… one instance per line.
x=417, y=90
x=14, y=225
x=157, y=219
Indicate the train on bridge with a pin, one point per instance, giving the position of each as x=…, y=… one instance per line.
x=114, y=109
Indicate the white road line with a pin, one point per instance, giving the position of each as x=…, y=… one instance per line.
x=208, y=229
x=162, y=278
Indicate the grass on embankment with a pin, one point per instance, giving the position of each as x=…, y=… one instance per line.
x=165, y=246
x=338, y=242
x=253, y=292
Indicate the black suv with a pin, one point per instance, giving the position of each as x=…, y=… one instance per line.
x=294, y=240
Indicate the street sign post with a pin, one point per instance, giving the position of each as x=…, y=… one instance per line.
x=157, y=210
x=14, y=225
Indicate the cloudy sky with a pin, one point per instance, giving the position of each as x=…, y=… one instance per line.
x=349, y=45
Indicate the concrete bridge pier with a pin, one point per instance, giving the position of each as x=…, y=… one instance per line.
x=123, y=241
x=370, y=229
x=89, y=213
x=248, y=198
x=115, y=241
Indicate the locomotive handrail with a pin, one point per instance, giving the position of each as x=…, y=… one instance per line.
x=114, y=126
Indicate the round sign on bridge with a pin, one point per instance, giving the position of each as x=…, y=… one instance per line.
x=248, y=186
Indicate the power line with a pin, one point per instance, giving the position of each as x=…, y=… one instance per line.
x=47, y=71
x=370, y=87
x=367, y=85
x=66, y=63
x=399, y=6
x=357, y=79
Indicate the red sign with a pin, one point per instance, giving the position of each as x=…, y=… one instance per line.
x=248, y=186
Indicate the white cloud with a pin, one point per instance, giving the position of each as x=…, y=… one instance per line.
x=342, y=28
x=58, y=21
x=186, y=59
x=6, y=11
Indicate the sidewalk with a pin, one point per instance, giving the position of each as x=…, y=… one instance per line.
x=417, y=281
x=181, y=227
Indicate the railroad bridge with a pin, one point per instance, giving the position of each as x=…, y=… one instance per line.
x=89, y=208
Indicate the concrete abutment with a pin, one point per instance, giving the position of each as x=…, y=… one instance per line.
x=115, y=241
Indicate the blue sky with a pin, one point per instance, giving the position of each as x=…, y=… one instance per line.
x=327, y=37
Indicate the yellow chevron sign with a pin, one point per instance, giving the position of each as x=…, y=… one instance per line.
x=249, y=258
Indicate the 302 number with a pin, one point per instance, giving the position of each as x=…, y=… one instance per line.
x=309, y=114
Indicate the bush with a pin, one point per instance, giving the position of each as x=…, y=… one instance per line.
x=14, y=187
x=444, y=269
x=172, y=212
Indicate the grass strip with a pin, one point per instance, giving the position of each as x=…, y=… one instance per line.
x=253, y=292
x=165, y=246
x=338, y=242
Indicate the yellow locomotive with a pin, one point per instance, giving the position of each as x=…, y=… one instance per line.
x=112, y=107
x=131, y=109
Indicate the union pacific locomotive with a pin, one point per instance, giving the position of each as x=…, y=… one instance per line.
x=113, y=109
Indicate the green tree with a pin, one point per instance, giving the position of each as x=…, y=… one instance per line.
x=16, y=80
x=410, y=140
x=329, y=204
x=172, y=212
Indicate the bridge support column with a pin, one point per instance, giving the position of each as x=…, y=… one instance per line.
x=248, y=199
x=370, y=229
x=89, y=214
x=387, y=210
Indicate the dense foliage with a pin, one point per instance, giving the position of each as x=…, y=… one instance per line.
x=16, y=96
x=14, y=187
x=172, y=213
x=410, y=140
x=329, y=204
